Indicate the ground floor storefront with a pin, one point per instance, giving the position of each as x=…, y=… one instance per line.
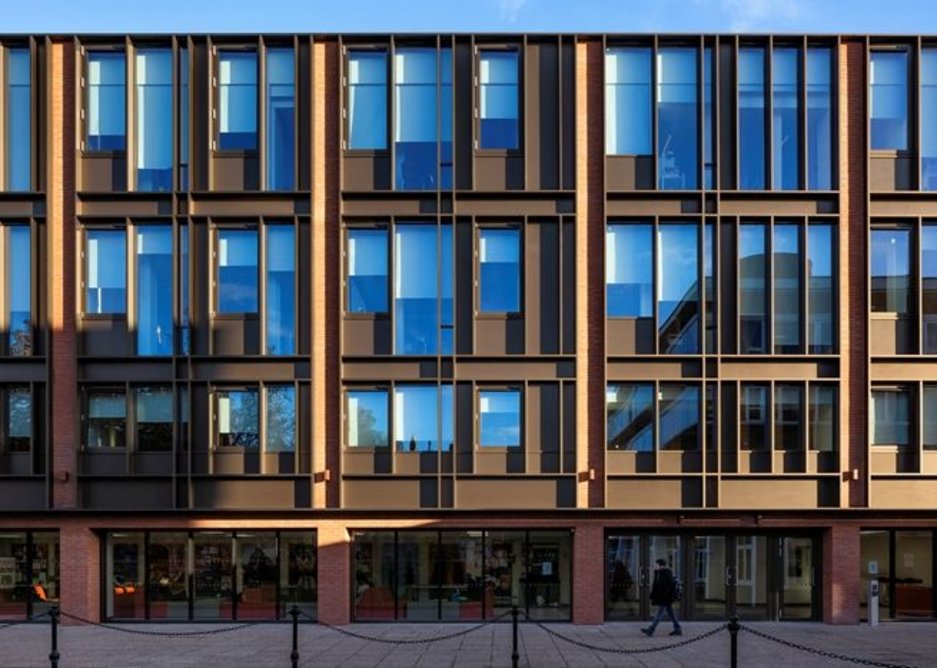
x=464, y=568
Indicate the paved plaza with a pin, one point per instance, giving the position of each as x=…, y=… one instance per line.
x=911, y=644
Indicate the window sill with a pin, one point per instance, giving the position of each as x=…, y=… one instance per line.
x=236, y=153
x=235, y=316
x=890, y=153
x=105, y=317
x=499, y=153
x=366, y=315
x=366, y=153
x=888, y=315
x=499, y=315
x=111, y=153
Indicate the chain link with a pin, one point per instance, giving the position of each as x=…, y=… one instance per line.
x=629, y=650
x=407, y=641
x=821, y=652
x=161, y=634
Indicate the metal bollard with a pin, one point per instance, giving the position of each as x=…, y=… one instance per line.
x=54, y=654
x=734, y=627
x=294, y=655
x=514, y=655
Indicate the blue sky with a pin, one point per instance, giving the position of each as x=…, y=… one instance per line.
x=250, y=16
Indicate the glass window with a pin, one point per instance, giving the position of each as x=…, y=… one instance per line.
x=213, y=561
x=184, y=347
x=751, y=118
x=787, y=290
x=125, y=568
x=256, y=576
x=367, y=270
x=889, y=100
x=281, y=290
x=820, y=288
x=154, y=119
x=183, y=119
x=237, y=100
x=237, y=271
x=44, y=569
x=281, y=418
x=752, y=289
x=19, y=427
x=788, y=417
x=930, y=417
x=416, y=118
x=167, y=581
x=709, y=283
x=238, y=416
x=891, y=424
x=18, y=121
x=423, y=289
x=754, y=418
x=417, y=413
x=183, y=418
x=891, y=271
x=678, y=289
x=19, y=290
x=298, y=573
x=629, y=270
x=499, y=99
x=929, y=285
x=367, y=100
x=629, y=416
x=105, y=272
x=154, y=290
x=785, y=124
x=823, y=418
x=679, y=417
x=499, y=418
x=106, y=103
x=628, y=101
x=819, y=119
x=500, y=270
x=281, y=110
x=709, y=126
x=446, y=116
x=677, y=119
x=367, y=418
x=106, y=422
x=928, y=119
x=154, y=419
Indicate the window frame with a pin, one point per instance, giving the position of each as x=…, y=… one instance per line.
x=519, y=227
x=258, y=229
x=912, y=228
x=135, y=135
x=499, y=47
x=6, y=391
x=387, y=50
x=214, y=395
x=912, y=102
x=133, y=421
x=85, y=100
x=87, y=392
x=215, y=102
x=386, y=227
x=263, y=139
x=129, y=256
x=4, y=115
x=387, y=447
x=6, y=292
x=521, y=446
x=913, y=402
x=263, y=283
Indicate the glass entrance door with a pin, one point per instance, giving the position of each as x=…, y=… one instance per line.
x=914, y=574
x=751, y=577
x=797, y=578
x=624, y=577
x=709, y=595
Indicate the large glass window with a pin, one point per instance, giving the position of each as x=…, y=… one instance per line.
x=928, y=119
x=785, y=123
x=629, y=409
x=256, y=576
x=19, y=315
x=154, y=419
x=679, y=417
x=19, y=419
x=237, y=414
x=168, y=580
x=751, y=118
x=281, y=110
x=184, y=332
x=154, y=290
x=889, y=100
x=237, y=100
x=891, y=422
x=753, y=324
x=418, y=121
x=677, y=120
x=709, y=125
x=823, y=426
x=212, y=562
x=423, y=418
x=629, y=270
x=154, y=119
x=237, y=271
x=105, y=272
x=499, y=418
x=367, y=270
x=106, y=419
x=891, y=270
x=787, y=289
x=753, y=423
x=628, y=101
x=820, y=288
x=709, y=287
x=499, y=270
x=929, y=285
x=423, y=289
x=30, y=571
x=367, y=418
x=678, y=288
x=281, y=290
x=499, y=99
x=819, y=118
x=183, y=119
x=929, y=430
x=788, y=417
x=18, y=120
x=281, y=418
x=106, y=103
x=125, y=568
x=367, y=99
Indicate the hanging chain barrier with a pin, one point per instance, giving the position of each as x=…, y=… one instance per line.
x=162, y=634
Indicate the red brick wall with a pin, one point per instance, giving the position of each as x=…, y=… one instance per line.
x=841, y=574
x=80, y=572
x=588, y=574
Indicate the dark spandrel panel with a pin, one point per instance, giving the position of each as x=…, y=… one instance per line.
x=499, y=133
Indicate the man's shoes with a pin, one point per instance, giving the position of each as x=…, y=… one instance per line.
x=677, y=632
x=648, y=632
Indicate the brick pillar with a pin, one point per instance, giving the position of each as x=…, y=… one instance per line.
x=334, y=574
x=841, y=574
x=63, y=360
x=80, y=572
x=588, y=574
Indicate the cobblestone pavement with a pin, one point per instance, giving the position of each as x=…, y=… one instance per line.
x=910, y=644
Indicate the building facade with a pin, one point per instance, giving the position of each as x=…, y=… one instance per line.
x=415, y=327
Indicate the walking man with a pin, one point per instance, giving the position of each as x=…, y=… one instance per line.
x=663, y=595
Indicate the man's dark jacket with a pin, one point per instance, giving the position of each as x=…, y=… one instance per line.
x=662, y=591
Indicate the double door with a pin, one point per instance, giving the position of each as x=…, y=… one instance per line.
x=754, y=576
